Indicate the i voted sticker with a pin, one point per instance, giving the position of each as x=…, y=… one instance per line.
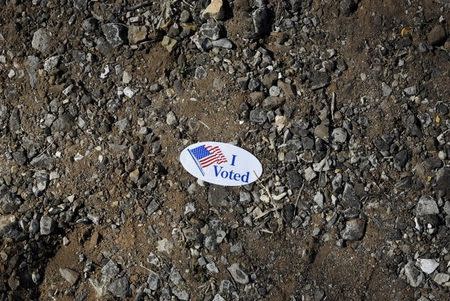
x=221, y=163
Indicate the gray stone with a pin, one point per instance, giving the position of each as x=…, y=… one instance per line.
x=309, y=174
x=80, y=4
x=200, y=72
x=63, y=123
x=119, y=287
x=354, y=229
x=9, y=202
x=426, y=205
x=294, y=179
x=46, y=225
x=211, y=30
x=155, y=88
x=410, y=91
x=115, y=34
x=274, y=91
x=222, y=43
x=185, y=16
x=211, y=267
x=110, y=270
x=181, y=294
x=69, y=275
x=244, y=197
x=254, y=84
x=339, y=135
x=413, y=275
x=171, y=119
x=349, y=197
x=386, y=90
x=319, y=80
x=322, y=131
x=153, y=280
x=51, y=63
x=272, y=102
x=218, y=297
x=135, y=151
x=441, y=278
x=217, y=196
x=41, y=40
x=258, y=115
x=238, y=275
x=175, y=276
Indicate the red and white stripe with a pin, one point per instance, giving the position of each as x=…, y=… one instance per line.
x=215, y=157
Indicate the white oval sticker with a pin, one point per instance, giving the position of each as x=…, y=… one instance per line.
x=221, y=163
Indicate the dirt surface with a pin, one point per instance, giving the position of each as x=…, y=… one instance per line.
x=66, y=152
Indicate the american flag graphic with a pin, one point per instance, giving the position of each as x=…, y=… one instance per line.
x=205, y=155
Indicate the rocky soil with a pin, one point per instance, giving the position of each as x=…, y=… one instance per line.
x=346, y=104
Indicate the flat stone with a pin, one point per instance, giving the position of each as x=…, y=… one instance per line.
x=339, y=135
x=218, y=297
x=115, y=34
x=272, y=102
x=413, y=275
x=41, y=40
x=238, y=275
x=410, y=91
x=309, y=174
x=171, y=119
x=218, y=196
x=428, y=266
x=386, y=90
x=119, y=287
x=164, y=246
x=69, y=275
x=222, y=43
x=169, y=43
x=441, y=278
x=258, y=115
x=354, y=229
x=46, y=225
x=181, y=294
x=349, y=197
x=426, y=206
x=110, y=270
x=9, y=202
x=152, y=281
x=319, y=80
x=322, y=131
x=294, y=179
x=137, y=34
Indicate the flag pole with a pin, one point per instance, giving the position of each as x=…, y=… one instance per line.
x=199, y=168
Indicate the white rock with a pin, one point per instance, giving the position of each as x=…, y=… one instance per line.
x=427, y=265
x=128, y=92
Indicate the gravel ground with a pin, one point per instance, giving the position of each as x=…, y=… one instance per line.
x=345, y=103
